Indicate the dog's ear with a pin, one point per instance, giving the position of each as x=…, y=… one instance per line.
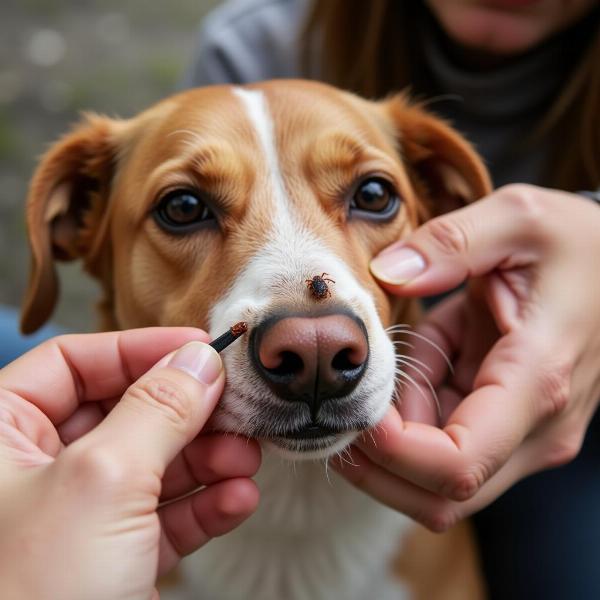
x=65, y=207
x=444, y=168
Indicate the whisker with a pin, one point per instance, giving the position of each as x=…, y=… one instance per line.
x=395, y=399
x=395, y=328
x=372, y=437
x=420, y=389
x=429, y=385
x=379, y=427
x=403, y=329
x=403, y=343
x=404, y=357
x=327, y=471
x=341, y=454
x=407, y=377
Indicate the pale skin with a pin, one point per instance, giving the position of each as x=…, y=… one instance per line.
x=81, y=486
x=523, y=339
x=504, y=28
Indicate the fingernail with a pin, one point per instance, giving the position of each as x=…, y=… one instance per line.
x=199, y=360
x=398, y=265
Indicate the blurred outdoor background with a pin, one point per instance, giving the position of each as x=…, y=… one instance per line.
x=57, y=58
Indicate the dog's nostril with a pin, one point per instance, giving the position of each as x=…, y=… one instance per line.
x=343, y=360
x=291, y=364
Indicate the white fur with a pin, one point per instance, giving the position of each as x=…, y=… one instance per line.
x=311, y=539
x=314, y=536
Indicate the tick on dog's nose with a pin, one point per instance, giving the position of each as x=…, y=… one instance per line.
x=318, y=286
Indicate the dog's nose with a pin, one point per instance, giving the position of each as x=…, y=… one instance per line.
x=310, y=359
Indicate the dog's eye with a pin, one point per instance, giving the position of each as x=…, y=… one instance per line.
x=375, y=195
x=181, y=210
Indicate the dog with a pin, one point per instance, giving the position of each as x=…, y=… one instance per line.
x=263, y=203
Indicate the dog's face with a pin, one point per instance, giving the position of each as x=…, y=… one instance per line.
x=261, y=204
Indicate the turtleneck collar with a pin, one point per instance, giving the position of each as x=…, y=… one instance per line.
x=524, y=85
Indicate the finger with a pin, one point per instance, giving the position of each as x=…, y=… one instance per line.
x=450, y=398
x=430, y=510
x=24, y=419
x=434, y=343
x=435, y=512
x=481, y=434
x=82, y=421
x=189, y=523
x=472, y=241
x=208, y=459
x=161, y=412
x=74, y=368
x=479, y=335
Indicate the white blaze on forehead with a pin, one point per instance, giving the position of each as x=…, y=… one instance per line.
x=258, y=111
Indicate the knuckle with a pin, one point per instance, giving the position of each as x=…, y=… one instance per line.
x=213, y=465
x=240, y=500
x=162, y=395
x=439, y=520
x=63, y=339
x=563, y=449
x=97, y=464
x=523, y=200
x=465, y=484
x=555, y=389
x=7, y=417
x=448, y=236
x=471, y=471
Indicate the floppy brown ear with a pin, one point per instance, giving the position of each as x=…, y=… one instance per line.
x=67, y=199
x=445, y=169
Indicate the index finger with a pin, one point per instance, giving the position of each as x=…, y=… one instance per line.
x=481, y=434
x=67, y=370
x=501, y=229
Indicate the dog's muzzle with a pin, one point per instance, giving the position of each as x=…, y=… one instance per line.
x=317, y=361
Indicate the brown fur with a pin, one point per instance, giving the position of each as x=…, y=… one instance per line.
x=92, y=195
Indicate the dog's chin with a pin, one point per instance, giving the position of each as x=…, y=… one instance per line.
x=310, y=448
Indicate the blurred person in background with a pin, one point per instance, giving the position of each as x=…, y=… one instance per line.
x=521, y=80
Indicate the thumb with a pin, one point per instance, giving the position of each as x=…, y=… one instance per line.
x=465, y=243
x=164, y=410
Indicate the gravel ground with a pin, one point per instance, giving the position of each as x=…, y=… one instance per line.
x=58, y=58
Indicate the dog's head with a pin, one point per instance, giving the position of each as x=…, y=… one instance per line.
x=262, y=204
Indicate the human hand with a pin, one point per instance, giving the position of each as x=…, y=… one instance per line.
x=82, y=472
x=524, y=342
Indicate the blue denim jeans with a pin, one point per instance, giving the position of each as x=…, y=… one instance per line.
x=12, y=343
